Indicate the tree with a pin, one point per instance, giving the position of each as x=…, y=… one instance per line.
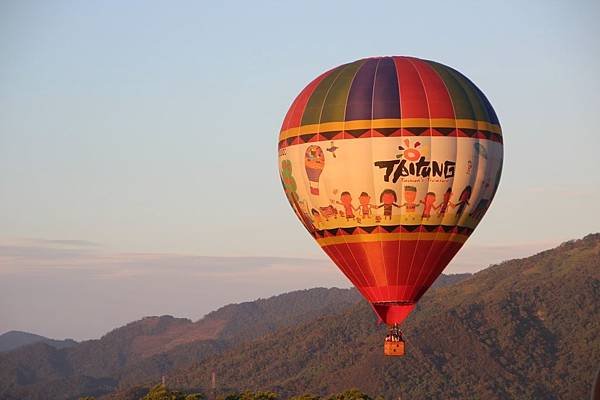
x=352, y=394
x=250, y=395
x=160, y=392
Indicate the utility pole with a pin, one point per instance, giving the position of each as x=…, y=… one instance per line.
x=213, y=384
x=163, y=380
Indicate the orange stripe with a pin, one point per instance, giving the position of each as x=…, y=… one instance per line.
x=381, y=237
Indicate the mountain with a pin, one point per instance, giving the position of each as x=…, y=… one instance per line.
x=525, y=328
x=146, y=349
x=14, y=339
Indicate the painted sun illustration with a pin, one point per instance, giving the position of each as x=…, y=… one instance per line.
x=410, y=152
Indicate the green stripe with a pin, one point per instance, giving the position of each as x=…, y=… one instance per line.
x=476, y=104
x=467, y=104
x=334, y=108
x=476, y=101
x=460, y=100
x=312, y=111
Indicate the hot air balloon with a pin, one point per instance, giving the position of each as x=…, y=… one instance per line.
x=413, y=161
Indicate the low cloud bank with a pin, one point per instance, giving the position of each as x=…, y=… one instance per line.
x=73, y=288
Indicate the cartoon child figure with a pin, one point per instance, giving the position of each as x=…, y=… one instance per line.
x=346, y=201
x=480, y=209
x=388, y=200
x=317, y=219
x=428, y=203
x=463, y=201
x=365, y=205
x=446, y=203
x=410, y=195
x=329, y=211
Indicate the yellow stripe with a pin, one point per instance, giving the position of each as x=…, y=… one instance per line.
x=390, y=123
x=383, y=237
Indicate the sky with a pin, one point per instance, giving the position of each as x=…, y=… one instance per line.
x=138, y=143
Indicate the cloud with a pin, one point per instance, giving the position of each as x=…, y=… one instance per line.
x=78, y=289
x=88, y=290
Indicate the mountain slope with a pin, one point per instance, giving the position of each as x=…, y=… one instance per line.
x=150, y=347
x=522, y=329
x=14, y=339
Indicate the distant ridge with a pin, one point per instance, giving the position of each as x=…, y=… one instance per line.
x=12, y=340
x=525, y=329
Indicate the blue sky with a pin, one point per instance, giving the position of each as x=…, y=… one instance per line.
x=151, y=127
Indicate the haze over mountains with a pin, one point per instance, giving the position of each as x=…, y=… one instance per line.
x=525, y=328
x=14, y=339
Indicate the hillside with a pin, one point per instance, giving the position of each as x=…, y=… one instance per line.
x=153, y=346
x=12, y=340
x=522, y=329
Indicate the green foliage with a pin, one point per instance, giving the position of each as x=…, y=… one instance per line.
x=250, y=395
x=305, y=397
x=524, y=329
x=160, y=392
x=352, y=394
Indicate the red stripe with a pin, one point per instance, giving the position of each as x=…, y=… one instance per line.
x=439, y=260
x=413, y=102
x=293, y=117
x=440, y=104
x=361, y=261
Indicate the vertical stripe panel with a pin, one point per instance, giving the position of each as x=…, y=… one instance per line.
x=412, y=95
x=463, y=107
x=386, y=100
x=294, y=114
x=358, y=106
x=334, y=107
x=312, y=111
x=438, y=99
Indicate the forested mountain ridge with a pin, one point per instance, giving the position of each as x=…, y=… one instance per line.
x=152, y=346
x=522, y=329
x=12, y=340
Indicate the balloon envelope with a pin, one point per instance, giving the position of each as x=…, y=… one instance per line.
x=390, y=163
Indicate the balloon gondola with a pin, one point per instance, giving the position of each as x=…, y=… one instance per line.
x=390, y=163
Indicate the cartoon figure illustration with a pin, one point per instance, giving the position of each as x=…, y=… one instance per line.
x=346, y=201
x=287, y=178
x=483, y=204
x=332, y=149
x=290, y=187
x=365, y=205
x=428, y=203
x=469, y=167
x=480, y=150
x=445, y=203
x=317, y=220
x=463, y=201
x=302, y=215
x=314, y=162
x=410, y=195
x=388, y=200
x=480, y=209
x=329, y=211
